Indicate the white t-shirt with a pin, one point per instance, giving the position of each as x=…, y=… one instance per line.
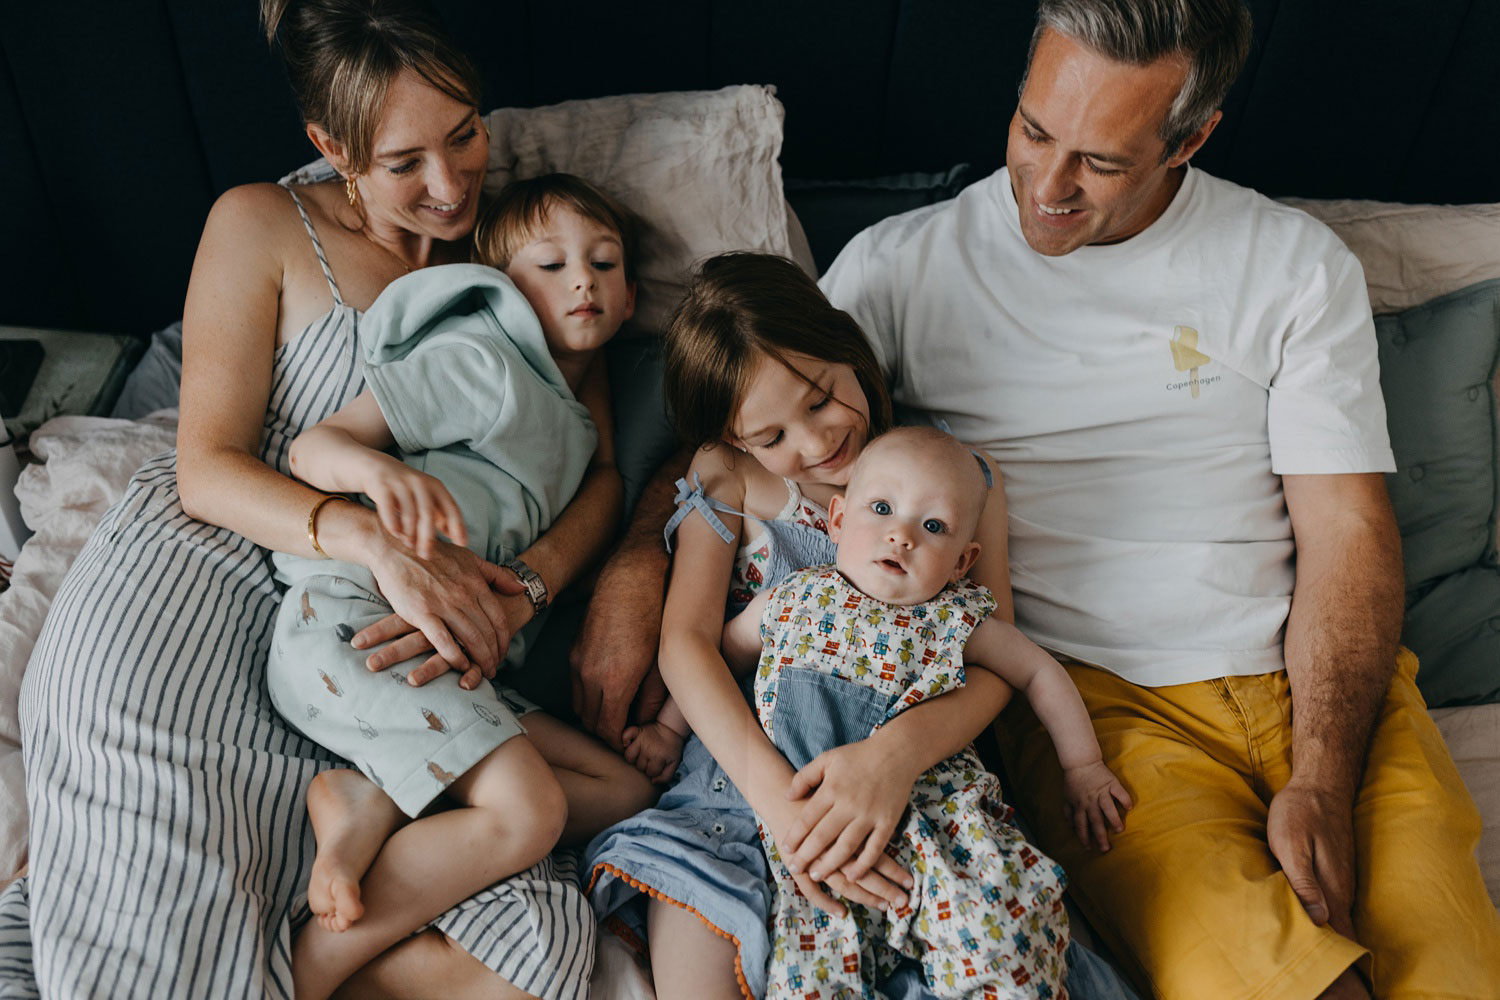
x=1142, y=399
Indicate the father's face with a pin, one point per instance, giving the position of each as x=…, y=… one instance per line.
x=1085, y=152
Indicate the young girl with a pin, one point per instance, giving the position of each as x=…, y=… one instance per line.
x=783, y=391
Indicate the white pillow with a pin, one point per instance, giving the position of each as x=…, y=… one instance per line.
x=1413, y=253
x=698, y=167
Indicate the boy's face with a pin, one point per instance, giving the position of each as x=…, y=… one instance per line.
x=905, y=526
x=572, y=272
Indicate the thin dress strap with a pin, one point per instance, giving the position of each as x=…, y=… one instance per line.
x=333, y=286
x=691, y=498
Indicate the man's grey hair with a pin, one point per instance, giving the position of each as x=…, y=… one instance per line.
x=1214, y=36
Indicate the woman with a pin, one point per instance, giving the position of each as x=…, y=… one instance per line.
x=167, y=835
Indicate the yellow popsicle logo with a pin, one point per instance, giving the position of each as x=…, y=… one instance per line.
x=1186, y=356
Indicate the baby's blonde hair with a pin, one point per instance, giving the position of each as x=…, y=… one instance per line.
x=969, y=470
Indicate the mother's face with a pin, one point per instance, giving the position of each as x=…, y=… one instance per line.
x=428, y=162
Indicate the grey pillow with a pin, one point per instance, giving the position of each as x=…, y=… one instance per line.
x=1437, y=362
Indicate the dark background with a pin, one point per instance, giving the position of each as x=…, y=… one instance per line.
x=122, y=120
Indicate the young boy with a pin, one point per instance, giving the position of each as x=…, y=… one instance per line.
x=474, y=376
x=842, y=649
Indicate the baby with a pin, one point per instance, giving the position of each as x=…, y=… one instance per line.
x=842, y=649
x=475, y=377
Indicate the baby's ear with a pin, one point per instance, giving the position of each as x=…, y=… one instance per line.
x=836, y=509
x=966, y=560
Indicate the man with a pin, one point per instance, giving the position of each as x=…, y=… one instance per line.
x=1179, y=380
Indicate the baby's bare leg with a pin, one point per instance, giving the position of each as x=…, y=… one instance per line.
x=601, y=787
x=691, y=961
x=515, y=813
x=351, y=819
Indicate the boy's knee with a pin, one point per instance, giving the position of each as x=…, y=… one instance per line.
x=544, y=814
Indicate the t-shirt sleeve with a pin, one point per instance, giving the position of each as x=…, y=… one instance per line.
x=447, y=390
x=860, y=283
x=1326, y=413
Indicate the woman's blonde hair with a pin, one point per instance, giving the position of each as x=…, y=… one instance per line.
x=515, y=215
x=342, y=55
x=740, y=307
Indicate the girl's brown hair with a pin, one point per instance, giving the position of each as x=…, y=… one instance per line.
x=744, y=305
x=515, y=215
x=342, y=55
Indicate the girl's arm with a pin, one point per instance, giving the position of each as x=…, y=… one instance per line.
x=851, y=803
x=230, y=318
x=701, y=684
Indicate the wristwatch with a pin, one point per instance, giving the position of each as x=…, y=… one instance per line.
x=535, y=588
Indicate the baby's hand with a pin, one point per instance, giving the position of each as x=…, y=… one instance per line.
x=413, y=506
x=655, y=749
x=1091, y=792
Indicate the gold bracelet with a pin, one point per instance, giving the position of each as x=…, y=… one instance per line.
x=312, y=522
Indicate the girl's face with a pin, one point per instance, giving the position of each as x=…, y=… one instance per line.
x=807, y=422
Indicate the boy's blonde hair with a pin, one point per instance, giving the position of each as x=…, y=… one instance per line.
x=512, y=218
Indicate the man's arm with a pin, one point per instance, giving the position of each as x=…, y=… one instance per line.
x=1341, y=635
x=616, y=647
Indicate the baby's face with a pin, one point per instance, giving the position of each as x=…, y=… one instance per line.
x=572, y=272
x=905, y=526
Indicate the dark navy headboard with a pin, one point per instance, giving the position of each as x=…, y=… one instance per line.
x=121, y=120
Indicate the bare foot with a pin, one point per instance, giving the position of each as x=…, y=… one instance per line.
x=352, y=819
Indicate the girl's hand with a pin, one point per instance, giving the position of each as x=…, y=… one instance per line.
x=853, y=798
x=464, y=608
x=1090, y=795
x=886, y=885
x=412, y=505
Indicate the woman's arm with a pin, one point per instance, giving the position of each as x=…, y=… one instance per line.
x=230, y=319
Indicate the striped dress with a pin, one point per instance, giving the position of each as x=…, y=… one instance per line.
x=169, y=845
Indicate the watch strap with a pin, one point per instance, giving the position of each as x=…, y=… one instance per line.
x=536, y=590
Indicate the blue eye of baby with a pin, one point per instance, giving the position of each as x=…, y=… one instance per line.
x=933, y=525
x=881, y=507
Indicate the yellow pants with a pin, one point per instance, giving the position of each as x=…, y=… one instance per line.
x=1191, y=899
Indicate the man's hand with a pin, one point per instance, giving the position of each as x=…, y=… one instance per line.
x=513, y=609
x=616, y=646
x=1311, y=832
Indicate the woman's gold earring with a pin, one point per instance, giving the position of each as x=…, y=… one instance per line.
x=351, y=191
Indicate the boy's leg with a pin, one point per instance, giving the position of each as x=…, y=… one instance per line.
x=1189, y=897
x=601, y=787
x=1420, y=901
x=689, y=959
x=351, y=820
x=516, y=813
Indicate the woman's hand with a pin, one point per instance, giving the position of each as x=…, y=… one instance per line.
x=852, y=799
x=460, y=606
